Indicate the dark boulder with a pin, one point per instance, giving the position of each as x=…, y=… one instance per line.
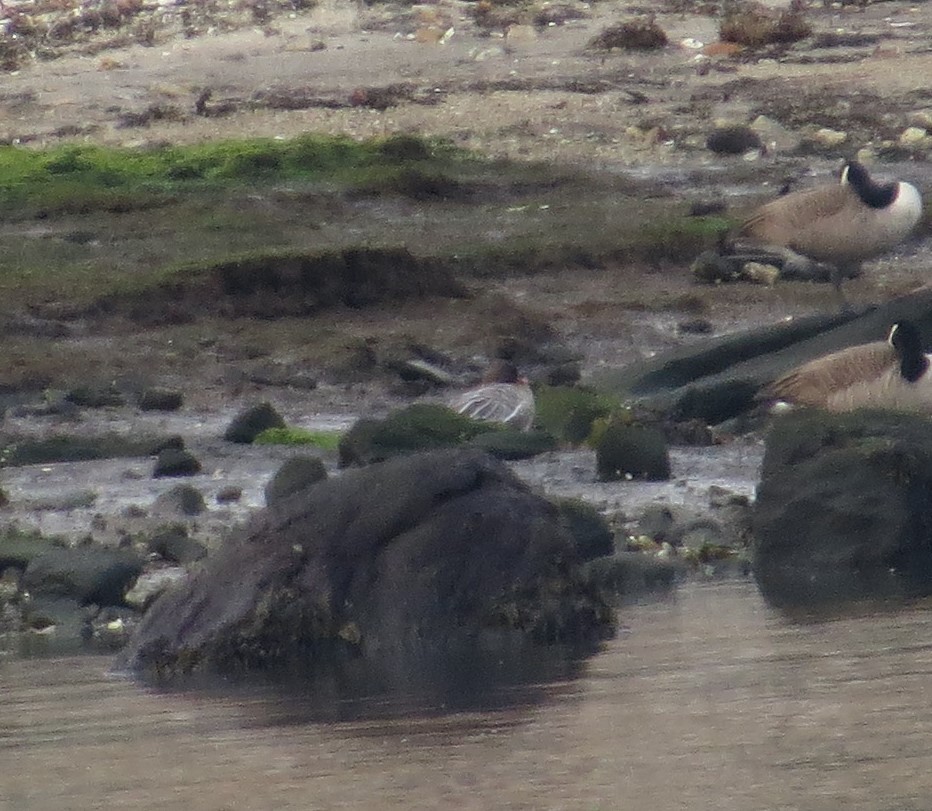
x=713, y=403
x=251, y=422
x=624, y=452
x=88, y=574
x=513, y=445
x=844, y=508
x=419, y=427
x=590, y=531
x=733, y=140
x=296, y=473
x=159, y=399
x=95, y=397
x=175, y=462
x=446, y=548
x=172, y=542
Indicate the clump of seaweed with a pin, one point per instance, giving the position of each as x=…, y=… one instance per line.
x=640, y=34
x=755, y=26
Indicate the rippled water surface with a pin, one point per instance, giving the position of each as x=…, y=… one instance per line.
x=708, y=701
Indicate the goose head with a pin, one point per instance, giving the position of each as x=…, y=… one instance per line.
x=905, y=339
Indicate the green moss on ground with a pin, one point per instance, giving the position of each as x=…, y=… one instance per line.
x=325, y=440
x=76, y=179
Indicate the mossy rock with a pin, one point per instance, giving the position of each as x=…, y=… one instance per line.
x=568, y=412
x=842, y=508
x=251, y=422
x=632, y=452
x=88, y=574
x=69, y=448
x=422, y=426
x=513, y=445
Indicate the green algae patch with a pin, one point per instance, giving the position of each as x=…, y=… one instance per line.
x=569, y=412
x=325, y=440
x=80, y=179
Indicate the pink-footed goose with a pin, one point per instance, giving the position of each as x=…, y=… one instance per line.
x=502, y=396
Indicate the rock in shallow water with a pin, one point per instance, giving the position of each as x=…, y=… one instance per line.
x=844, y=508
x=446, y=548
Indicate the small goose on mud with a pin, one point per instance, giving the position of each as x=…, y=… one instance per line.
x=502, y=396
x=892, y=374
x=840, y=224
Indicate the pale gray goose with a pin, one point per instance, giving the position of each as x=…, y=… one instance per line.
x=841, y=224
x=502, y=396
x=892, y=374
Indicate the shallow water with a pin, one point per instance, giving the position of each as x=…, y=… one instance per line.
x=708, y=701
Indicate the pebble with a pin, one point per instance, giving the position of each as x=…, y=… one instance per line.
x=829, y=137
x=914, y=136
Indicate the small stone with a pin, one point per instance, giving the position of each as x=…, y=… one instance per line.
x=429, y=34
x=521, y=33
x=171, y=542
x=95, y=397
x=866, y=155
x=734, y=140
x=181, y=500
x=229, y=494
x=914, y=137
x=175, y=462
x=485, y=54
x=159, y=399
x=775, y=137
x=695, y=326
x=150, y=585
x=922, y=119
x=251, y=422
x=626, y=452
x=826, y=136
x=761, y=273
x=713, y=268
x=723, y=497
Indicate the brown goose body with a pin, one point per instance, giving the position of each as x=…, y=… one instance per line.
x=841, y=224
x=502, y=397
x=866, y=376
x=827, y=223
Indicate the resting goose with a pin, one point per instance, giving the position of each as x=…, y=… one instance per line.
x=502, y=396
x=841, y=224
x=892, y=374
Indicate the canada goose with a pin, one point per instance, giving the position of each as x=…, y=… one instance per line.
x=891, y=374
x=502, y=396
x=840, y=224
